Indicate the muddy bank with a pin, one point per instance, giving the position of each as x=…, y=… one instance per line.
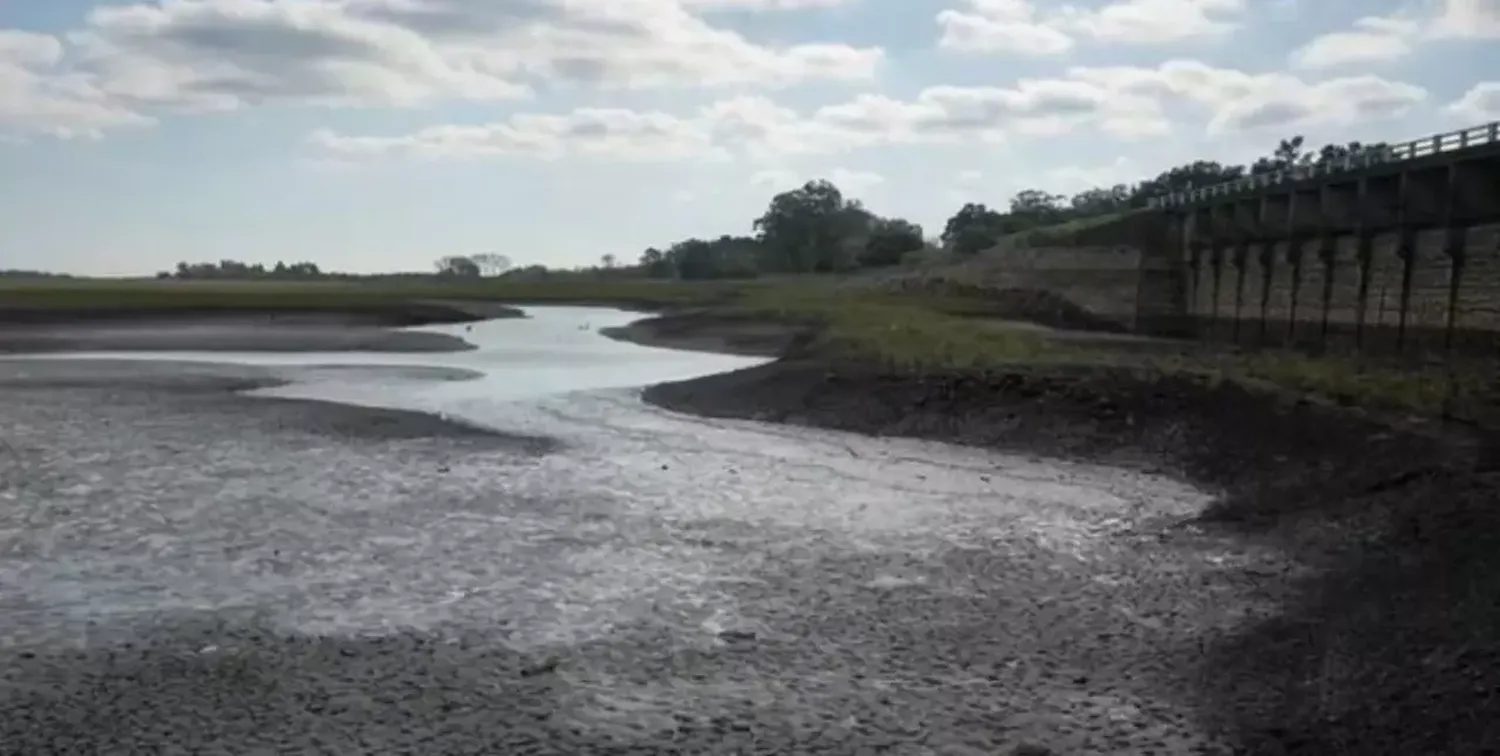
x=46, y=330
x=393, y=314
x=708, y=331
x=1391, y=644
x=221, y=335
x=174, y=554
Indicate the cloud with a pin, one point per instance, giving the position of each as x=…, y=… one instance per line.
x=38, y=97
x=1480, y=104
x=759, y=128
x=218, y=55
x=1467, y=19
x=1373, y=40
x=1122, y=102
x=1380, y=39
x=854, y=182
x=610, y=132
x=1020, y=27
x=1241, y=101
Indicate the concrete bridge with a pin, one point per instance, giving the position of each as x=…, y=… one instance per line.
x=1392, y=250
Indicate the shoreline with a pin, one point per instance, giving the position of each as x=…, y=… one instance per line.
x=1391, y=529
x=43, y=331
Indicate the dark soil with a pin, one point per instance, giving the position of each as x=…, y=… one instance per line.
x=1391, y=646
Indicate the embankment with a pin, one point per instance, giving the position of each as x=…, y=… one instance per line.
x=270, y=328
x=1395, y=622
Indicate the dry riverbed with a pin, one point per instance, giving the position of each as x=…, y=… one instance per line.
x=606, y=578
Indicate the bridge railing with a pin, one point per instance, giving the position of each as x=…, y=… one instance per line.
x=1376, y=154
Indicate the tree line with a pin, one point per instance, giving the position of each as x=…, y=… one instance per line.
x=815, y=228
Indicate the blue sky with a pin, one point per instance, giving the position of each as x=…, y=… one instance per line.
x=373, y=135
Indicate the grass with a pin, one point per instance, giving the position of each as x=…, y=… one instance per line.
x=98, y=294
x=1062, y=233
x=906, y=332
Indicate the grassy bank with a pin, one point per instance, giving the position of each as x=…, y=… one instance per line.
x=903, y=332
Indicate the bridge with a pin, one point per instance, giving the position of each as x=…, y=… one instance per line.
x=1391, y=249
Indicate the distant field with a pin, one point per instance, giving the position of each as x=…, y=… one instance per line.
x=132, y=294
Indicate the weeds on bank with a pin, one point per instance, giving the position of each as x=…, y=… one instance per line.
x=341, y=295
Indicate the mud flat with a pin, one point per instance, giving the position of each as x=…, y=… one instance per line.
x=72, y=329
x=1382, y=643
x=184, y=565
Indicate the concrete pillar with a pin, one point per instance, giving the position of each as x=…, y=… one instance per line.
x=1364, y=234
x=1455, y=246
x=1406, y=249
x=1294, y=259
x=1328, y=247
x=1241, y=257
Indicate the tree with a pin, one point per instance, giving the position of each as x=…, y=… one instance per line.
x=973, y=228
x=491, y=263
x=458, y=266
x=889, y=240
x=807, y=229
x=655, y=264
x=607, y=261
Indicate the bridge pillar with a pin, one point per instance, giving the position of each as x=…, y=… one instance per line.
x=1341, y=272
x=1455, y=246
x=1300, y=212
x=1406, y=247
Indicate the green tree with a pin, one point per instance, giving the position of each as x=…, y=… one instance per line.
x=458, y=266
x=889, y=240
x=808, y=229
x=973, y=228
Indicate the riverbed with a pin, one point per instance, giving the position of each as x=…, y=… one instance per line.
x=503, y=550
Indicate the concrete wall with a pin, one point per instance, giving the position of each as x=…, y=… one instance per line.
x=1308, y=288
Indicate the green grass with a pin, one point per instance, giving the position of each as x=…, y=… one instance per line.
x=1454, y=389
x=1062, y=233
x=905, y=332
x=336, y=295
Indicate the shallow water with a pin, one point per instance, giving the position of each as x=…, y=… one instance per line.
x=644, y=524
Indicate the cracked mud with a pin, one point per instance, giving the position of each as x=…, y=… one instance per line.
x=191, y=569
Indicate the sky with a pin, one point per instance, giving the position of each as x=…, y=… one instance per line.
x=372, y=135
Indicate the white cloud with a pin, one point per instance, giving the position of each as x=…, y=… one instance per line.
x=1121, y=102
x=1240, y=101
x=854, y=182
x=1154, y=21
x=1000, y=26
x=1373, y=40
x=230, y=54
x=1473, y=19
x=37, y=97
x=587, y=132
x=759, y=128
x=1480, y=104
x=1020, y=27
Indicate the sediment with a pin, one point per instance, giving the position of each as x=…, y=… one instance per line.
x=42, y=330
x=1390, y=642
